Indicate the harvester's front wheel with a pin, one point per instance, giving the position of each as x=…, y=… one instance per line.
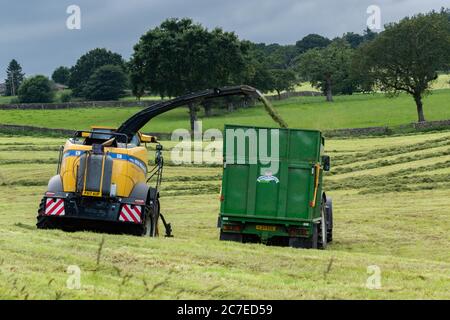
x=151, y=220
x=43, y=221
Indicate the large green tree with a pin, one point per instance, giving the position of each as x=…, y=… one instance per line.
x=328, y=68
x=36, y=89
x=61, y=75
x=283, y=80
x=106, y=83
x=354, y=39
x=88, y=64
x=270, y=67
x=14, y=78
x=312, y=41
x=407, y=55
x=258, y=65
x=181, y=56
x=283, y=57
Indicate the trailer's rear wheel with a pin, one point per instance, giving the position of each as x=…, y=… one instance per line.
x=322, y=227
x=329, y=211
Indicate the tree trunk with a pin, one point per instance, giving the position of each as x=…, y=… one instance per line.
x=230, y=106
x=192, y=115
x=329, y=91
x=279, y=94
x=419, y=104
x=208, y=108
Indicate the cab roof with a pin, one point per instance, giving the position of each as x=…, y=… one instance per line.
x=104, y=128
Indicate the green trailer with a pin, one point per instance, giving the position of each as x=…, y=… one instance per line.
x=272, y=188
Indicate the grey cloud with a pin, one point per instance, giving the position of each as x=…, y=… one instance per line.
x=34, y=32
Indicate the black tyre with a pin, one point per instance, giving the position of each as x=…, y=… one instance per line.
x=329, y=211
x=306, y=243
x=229, y=236
x=322, y=227
x=151, y=218
x=43, y=221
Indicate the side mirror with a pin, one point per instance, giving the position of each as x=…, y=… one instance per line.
x=147, y=139
x=326, y=163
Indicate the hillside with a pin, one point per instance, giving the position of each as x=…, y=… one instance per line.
x=391, y=205
x=303, y=112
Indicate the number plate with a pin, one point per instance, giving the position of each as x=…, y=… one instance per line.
x=266, y=228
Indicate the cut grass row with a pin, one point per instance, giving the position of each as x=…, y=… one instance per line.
x=390, y=162
x=351, y=157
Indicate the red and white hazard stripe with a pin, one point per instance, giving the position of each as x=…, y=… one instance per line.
x=54, y=207
x=130, y=213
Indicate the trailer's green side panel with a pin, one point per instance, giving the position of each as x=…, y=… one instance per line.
x=237, y=175
x=298, y=193
x=250, y=190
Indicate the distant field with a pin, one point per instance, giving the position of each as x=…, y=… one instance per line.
x=443, y=82
x=391, y=209
x=362, y=110
x=5, y=100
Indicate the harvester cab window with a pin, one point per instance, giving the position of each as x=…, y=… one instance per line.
x=135, y=142
x=101, y=136
x=106, y=137
x=97, y=139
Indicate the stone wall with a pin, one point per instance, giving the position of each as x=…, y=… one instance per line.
x=350, y=132
x=69, y=105
x=287, y=95
x=30, y=130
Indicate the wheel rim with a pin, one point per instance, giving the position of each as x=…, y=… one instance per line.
x=148, y=223
x=151, y=221
x=323, y=227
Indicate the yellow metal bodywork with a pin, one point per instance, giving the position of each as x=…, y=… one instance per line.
x=147, y=139
x=125, y=174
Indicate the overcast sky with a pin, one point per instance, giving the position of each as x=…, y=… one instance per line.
x=35, y=32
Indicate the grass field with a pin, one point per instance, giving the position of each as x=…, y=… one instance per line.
x=5, y=100
x=303, y=112
x=391, y=209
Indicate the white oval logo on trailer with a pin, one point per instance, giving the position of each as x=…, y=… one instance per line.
x=267, y=178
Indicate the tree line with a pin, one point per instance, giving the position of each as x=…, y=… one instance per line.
x=182, y=56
